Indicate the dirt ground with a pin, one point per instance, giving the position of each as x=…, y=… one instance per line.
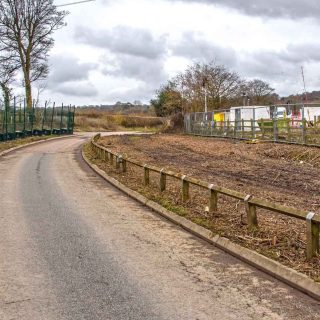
x=285, y=174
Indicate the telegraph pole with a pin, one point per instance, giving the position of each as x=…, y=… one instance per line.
x=304, y=84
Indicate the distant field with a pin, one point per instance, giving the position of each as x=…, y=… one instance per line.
x=100, y=120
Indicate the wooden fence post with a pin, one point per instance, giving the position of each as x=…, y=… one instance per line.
x=124, y=165
x=111, y=158
x=185, y=189
x=163, y=180
x=213, y=199
x=118, y=157
x=146, y=175
x=251, y=213
x=312, y=236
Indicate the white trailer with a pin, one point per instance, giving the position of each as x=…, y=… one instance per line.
x=247, y=113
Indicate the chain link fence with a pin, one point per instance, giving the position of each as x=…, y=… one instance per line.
x=294, y=123
x=17, y=121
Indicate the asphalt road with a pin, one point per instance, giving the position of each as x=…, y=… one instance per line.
x=74, y=247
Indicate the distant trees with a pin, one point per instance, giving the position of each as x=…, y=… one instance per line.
x=7, y=73
x=259, y=92
x=168, y=100
x=223, y=88
x=26, y=28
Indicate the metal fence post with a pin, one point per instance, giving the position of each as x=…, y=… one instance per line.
x=32, y=116
x=304, y=129
x=242, y=128
x=14, y=117
x=275, y=130
x=254, y=123
x=61, y=119
x=51, y=126
x=24, y=116
x=252, y=129
x=44, y=115
x=6, y=107
x=288, y=130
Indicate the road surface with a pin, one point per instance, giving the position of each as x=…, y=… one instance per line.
x=74, y=247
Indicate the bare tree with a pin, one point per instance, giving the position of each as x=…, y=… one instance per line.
x=26, y=28
x=259, y=92
x=220, y=85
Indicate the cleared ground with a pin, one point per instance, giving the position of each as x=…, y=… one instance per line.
x=73, y=247
x=285, y=174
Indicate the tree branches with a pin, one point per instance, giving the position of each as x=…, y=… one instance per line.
x=222, y=88
x=26, y=28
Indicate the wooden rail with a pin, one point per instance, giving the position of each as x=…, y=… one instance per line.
x=251, y=203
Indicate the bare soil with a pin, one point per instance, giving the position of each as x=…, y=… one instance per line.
x=285, y=174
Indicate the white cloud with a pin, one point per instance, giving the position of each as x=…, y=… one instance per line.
x=124, y=50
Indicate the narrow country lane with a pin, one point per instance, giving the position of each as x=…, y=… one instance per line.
x=74, y=247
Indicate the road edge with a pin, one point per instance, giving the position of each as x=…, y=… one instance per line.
x=275, y=269
x=3, y=153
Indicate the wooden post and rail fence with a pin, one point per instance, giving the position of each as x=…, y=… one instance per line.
x=251, y=203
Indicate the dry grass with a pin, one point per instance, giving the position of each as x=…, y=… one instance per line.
x=100, y=120
x=15, y=143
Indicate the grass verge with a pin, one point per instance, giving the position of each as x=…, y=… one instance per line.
x=16, y=143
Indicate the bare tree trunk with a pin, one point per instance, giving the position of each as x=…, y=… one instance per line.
x=28, y=90
x=6, y=95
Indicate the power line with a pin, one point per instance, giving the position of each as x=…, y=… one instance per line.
x=73, y=3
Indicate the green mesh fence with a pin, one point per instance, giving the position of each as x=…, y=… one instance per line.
x=17, y=121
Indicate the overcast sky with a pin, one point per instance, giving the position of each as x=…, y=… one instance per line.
x=125, y=49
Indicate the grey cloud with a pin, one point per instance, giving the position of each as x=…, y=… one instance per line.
x=124, y=40
x=68, y=68
x=70, y=77
x=299, y=53
x=131, y=94
x=279, y=64
x=194, y=47
x=147, y=76
x=139, y=68
x=280, y=68
x=78, y=89
x=270, y=8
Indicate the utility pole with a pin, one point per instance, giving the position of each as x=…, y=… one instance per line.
x=304, y=85
x=204, y=85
